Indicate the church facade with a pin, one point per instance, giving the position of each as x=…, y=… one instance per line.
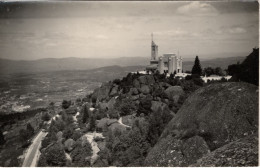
x=167, y=63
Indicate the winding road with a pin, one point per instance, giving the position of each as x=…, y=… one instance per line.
x=33, y=153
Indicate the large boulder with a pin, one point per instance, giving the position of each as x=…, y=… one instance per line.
x=164, y=85
x=134, y=98
x=102, y=124
x=136, y=83
x=111, y=121
x=145, y=89
x=111, y=103
x=69, y=144
x=174, y=93
x=117, y=126
x=101, y=93
x=134, y=91
x=170, y=152
x=114, y=91
x=156, y=105
x=103, y=105
x=243, y=152
x=142, y=80
x=218, y=113
x=150, y=79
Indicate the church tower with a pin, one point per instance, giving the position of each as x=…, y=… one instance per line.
x=154, y=50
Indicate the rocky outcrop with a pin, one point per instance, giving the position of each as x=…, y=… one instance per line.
x=68, y=144
x=216, y=115
x=146, y=80
x=174, y=152
x=114, y=91
x=145, y=89
x=133, y=91
x=142, y=80
x=174, y=93
x=101, y=93
x=243, y=152
x=136, y=83
x=156, y=105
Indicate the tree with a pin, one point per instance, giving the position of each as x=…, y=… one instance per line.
x=66, y=104
x=46, y=117
x=85, y=114
x=68, y=132
x=55, y=156
x=92, y=123
x=250, y=68
x=145, y=106
x=233, y=69
x=30, y=129
x=125, y=107
x=208, y=71
x=196, y=69
x=80, y=152
x=23, y=134
x=248, y=71
x=218, y=71
x=2, y=138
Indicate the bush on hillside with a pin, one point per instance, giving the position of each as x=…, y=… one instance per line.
x=188, y=77
x=46, y=117
x=145, y=106
x=66, y=104
x=125, y=107
x=53, y=156
x=80, y=152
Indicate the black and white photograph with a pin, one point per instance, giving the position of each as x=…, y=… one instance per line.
x=129, y=83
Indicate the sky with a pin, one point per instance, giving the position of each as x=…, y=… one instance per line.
x=36, y=30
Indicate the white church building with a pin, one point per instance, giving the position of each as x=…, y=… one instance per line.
x=167, y=63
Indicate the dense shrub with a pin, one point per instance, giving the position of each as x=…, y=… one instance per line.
x=85, y=113
x=66, y=104
x=145, y=106
x=188, y=77
x=92, y=123
x=53, y=156
x=157, y=121
x=79, y=154
x=68, y=132
x=2, y=138
x=46, y=117
x=125, y=107
x=126, y=148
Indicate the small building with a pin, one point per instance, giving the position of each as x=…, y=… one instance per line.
x=167, y=63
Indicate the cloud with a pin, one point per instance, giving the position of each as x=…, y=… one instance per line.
x=198, y=9
x=231, y=30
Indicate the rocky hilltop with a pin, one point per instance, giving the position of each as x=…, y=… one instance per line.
x=154, y=120
x=204, y=126
x=216, y=126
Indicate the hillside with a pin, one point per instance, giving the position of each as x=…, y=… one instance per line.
x=54, y=64
x=210, y=118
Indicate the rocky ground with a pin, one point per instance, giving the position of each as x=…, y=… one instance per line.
x=216, y=126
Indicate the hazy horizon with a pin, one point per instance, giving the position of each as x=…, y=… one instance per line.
x=38, y=30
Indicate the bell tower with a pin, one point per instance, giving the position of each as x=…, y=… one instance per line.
x=154, y=50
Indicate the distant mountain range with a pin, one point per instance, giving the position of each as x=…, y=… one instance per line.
x=60, y=64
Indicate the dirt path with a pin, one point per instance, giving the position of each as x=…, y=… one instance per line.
x=90, y=137
x=120, y=122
